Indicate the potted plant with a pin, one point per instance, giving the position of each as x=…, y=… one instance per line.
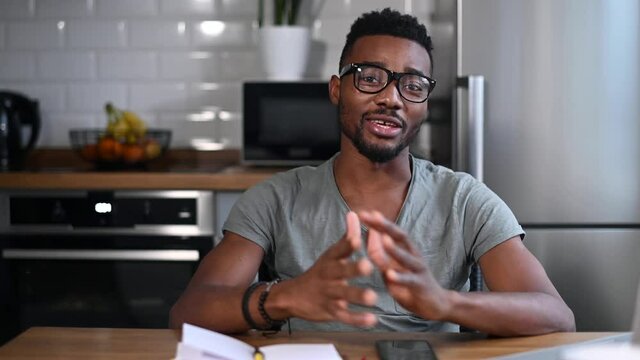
x=284, y=44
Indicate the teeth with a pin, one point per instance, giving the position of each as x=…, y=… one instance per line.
x=384, y=123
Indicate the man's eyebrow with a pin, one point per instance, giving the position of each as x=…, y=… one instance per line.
x=410, y=70
x=407, y=70
x=376, y=63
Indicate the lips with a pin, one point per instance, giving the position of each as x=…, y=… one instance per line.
x=383, y=125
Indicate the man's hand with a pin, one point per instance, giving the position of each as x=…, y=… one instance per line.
x=322, y=293
x=405, y=273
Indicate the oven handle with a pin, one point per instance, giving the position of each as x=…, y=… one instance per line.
x=131, y=255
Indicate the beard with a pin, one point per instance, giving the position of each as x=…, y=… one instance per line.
x=374, y=152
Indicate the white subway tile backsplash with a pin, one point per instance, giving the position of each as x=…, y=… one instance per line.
x=96, y=34
x=17, y=66
x=323, y=63
x=126, y=8
x=54, y=131
x=230, y=133
x=67, y=65
x=189, y=65
x=333, y=32
x=159, y=34
x=188, y=7
x=246, y=9
x=203, y=135
x=184, y=131
x=63, y=8
x=224, y=96
x=16, y=9
x=46, y=34
x=158, y=96
x=50, y=96
x=207, y=33
x=131, y=65
x=174, y=62
x=241, y=64
x=93, y=96
x=351, y=9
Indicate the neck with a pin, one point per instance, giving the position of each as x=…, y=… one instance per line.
x=355, y=172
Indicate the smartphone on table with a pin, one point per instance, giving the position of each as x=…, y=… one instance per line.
x=405, y=350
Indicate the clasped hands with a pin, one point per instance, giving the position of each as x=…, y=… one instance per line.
x=323, y=293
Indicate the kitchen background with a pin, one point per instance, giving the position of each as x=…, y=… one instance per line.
x=179, y=64
x=561, y=83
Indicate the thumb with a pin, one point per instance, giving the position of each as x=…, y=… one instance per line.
x=353, y=233
x=350, y=241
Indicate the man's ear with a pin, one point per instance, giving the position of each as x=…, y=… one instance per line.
x=334, y=89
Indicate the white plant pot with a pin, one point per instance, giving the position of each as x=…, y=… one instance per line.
x=285, y=51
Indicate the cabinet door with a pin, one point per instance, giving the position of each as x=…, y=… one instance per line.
x=224, y=202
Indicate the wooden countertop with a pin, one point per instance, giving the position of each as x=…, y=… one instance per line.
x=80, y=343
x=178, y=169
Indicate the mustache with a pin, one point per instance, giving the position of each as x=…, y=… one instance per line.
x=386, y=112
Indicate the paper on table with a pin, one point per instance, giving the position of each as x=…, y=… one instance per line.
x=215, y=343
x=199, y=343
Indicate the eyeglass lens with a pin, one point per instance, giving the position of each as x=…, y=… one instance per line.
x=372, y=79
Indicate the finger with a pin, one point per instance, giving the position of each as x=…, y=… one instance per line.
x=360, y=319
x=350, y=241
x=399, y=278
x=375, y=249
x=377, y=221
x=403, y=257
x=346, y=269
x=353, y=295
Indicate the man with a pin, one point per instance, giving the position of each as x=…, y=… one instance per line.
x=325, y=231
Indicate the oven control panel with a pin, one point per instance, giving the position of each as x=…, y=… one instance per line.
x=154, y=211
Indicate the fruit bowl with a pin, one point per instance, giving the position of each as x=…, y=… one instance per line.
x=105, y=151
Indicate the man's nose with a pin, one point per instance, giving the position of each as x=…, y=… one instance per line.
x=389, y=96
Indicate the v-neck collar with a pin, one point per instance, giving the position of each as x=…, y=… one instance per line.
x=335, y=188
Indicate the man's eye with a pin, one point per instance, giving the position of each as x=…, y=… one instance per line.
x=370, y=79
x=416, y=87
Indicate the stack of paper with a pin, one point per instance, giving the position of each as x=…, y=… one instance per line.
x=202, y=344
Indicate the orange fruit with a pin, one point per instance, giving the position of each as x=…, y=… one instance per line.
x=152, y=149
x=109, y=149
x=133, y=153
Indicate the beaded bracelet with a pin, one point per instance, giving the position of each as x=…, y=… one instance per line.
x=245, y=305
x=273, y=324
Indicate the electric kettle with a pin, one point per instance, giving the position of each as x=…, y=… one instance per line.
x=17, y=112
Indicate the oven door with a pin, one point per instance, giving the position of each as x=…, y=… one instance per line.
x=97, y=281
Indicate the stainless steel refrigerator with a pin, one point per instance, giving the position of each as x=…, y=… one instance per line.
x=551, y=122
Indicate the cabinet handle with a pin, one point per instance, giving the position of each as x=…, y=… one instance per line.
x=129, y=255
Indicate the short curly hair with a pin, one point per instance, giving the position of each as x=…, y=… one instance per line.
x=387, y=22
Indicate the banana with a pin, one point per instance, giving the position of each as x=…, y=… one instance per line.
x=136, y=126
x=124, y=124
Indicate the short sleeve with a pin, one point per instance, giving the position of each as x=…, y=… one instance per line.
x=252, y=215
x=486, y=220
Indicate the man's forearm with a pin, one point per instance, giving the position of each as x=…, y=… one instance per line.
x=214, y=307
x=509, y=314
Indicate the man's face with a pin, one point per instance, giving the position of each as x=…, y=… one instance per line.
x=381, y=125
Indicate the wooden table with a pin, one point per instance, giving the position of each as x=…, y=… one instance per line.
x=79, y=343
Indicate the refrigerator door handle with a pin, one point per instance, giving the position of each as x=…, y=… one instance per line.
x=468, y=127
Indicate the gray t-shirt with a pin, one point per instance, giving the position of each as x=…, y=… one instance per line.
x=452, y=219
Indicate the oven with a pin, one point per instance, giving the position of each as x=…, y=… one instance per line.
x=98, y=258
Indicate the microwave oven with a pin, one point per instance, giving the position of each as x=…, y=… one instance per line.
x=288, y=124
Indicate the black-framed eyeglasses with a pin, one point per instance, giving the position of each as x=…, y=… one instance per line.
x=372, y=79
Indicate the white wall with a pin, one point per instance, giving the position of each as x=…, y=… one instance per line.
x=151, y=56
